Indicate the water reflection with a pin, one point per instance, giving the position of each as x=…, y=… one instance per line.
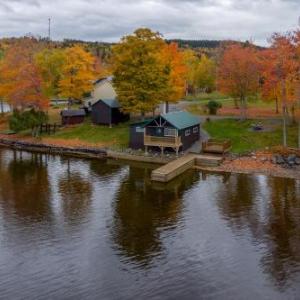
x=75, y=192
x=103, y=230
x=282, y=229
x=25, y=186
x=270, y=209
x=143, y=211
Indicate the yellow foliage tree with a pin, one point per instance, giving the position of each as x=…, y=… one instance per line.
x=140, y=76
x=50, y=63
x=205, y=74
x=78, y=73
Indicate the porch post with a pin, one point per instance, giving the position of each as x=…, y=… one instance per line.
x=162, y=150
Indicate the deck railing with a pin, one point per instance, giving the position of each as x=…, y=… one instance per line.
x=166, y=141
x=216, y=146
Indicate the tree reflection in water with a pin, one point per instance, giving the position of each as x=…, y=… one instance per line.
x=270, y=209
x=75, y=192
x=282, y=229
x=25, y=186
x=143, y=210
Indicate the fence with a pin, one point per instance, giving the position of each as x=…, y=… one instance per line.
x=44, y=128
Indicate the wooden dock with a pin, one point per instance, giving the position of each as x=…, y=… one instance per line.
x=182, y=164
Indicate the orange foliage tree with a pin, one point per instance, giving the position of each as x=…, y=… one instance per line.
x=296, y=39
x=20, y=78
x=279, y=70
x=78, y=73
x=176, y=70
x=239, y=73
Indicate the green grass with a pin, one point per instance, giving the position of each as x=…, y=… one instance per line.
x=117, y=136
x=244, y=140
x=206, y=97
x=199, y=101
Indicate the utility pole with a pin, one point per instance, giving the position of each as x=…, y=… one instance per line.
x=49, y=29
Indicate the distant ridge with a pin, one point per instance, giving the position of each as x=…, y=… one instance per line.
x=197, y=43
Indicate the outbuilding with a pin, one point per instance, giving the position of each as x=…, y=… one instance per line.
x=176, y=130
x=108, y=112
x=72, y=116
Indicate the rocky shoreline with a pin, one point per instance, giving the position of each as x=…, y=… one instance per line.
x=83, y=152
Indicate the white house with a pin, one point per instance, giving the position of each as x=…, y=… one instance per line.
x=103, y=89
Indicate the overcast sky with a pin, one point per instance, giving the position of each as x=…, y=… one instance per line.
x=108, y=20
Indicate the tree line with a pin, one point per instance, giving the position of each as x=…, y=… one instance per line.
x=148, y=70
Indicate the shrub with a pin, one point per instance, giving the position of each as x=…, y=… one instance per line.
x=213, y=107
x=26, y=120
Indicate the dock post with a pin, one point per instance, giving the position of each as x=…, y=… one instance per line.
x=162, y=150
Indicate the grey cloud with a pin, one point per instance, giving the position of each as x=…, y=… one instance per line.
x=108, y=20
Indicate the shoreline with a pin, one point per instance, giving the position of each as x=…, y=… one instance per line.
x=238, y=165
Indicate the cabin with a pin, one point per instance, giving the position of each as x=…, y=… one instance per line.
x=107, y=112
x=174, y=130
x=102, y=89
x=72, y=116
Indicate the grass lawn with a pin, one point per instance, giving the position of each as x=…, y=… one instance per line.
x=205, y=97
x=198, y=103
x=244, y=140
x=117, y=136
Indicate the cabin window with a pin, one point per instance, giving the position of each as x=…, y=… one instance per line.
x=169, y=131
x=139, y=129
x=195, y=129
x=187, y=132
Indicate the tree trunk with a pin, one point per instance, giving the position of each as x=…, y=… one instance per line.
x=284, y=136
x=2, y=106
x=293, y=115
x=236, y=104
x=143, y=115
x=299, y=133
x=284, y=113
x=69, y=103
x=243, y=108
x=276, y=105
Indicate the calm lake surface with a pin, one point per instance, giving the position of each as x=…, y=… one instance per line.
x=90, y=229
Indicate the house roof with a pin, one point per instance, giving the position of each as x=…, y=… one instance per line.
x=181, y=119
x=109, y=78
x=113, y=103
x=141, y=123
x=73, y=113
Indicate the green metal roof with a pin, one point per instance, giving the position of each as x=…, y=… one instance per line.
x=142, y=123
x=181, y=119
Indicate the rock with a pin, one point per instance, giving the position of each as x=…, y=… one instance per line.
x=279, y=159
x=291, y=159
x=297, y=161
x=263, y=159
x=274, y=160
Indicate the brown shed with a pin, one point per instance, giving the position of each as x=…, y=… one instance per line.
x=72, y=116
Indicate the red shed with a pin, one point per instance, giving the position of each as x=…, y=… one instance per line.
x=72, y=116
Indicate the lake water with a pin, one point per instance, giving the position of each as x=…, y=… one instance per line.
x=90, y=229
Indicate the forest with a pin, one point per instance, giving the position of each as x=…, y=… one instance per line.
x=148, y=70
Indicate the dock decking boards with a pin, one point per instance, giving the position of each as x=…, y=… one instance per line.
x=180, y=165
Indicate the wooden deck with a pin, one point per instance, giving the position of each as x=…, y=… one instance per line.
x=216, y=146
x=182, y=164
x=170, y=141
